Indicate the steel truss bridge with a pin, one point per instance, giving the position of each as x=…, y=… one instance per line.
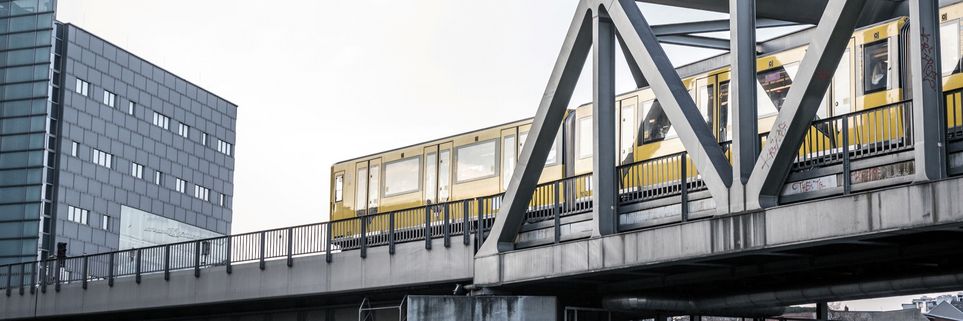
x=741, y=231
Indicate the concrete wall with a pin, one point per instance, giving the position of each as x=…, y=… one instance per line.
x=310, y=275
x=922, y=206
x=481, y=308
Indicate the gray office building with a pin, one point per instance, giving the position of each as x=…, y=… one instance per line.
x=99, y=149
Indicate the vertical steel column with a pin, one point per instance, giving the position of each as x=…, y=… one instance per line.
x=86, y=264
x=928, y=113
x=167, y=263
x=44, y=274
x=847, y=169
x=9, y=278
x=684, y=191
x=23, y=274
x=742, y=93
x=34, y=268
x=603, y=119
x=557, y=213
x=822, y=311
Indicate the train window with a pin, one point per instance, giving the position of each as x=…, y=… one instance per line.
x=360, y=195
x=339, y=188
x=444, y=175
x=431, y=178
x=876, y=66
x=374, y=184
x=655, y=124
x=508, y=159
x=476, y=161
x=584, y=142
x=628, y=128
x=705, y=101
x=402, y=176
x=842, y=82
x=774, y=87
x=950, y=47
x=552, y=158
x=725, y=117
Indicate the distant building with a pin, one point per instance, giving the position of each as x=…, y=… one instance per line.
x=926, y=304
x=100, y=149
x=946, y=311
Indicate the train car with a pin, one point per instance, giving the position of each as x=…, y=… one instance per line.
x=866, y=102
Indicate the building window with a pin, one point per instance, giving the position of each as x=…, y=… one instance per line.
x=202, y=192
x=162, y=121
x=224, y=147
x=74, y=147
x=82, y=87
x=158, y=177
x=77, y=215
x=180, y=185
x=183, y=130
x=130, y=107
x=204, y=139
x=221, y=200
x=136, y=170
x=109, y=98
x=105, y=222
x=102, y=158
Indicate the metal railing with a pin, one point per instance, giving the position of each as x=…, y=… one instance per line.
x=854, y=136
x=830, y=141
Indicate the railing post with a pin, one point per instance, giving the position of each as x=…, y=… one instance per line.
x=197, y=259
x=480, y=224
x=44, y=271
x=9, y=278
x=110, y=269
x=167, y=262
x=34, y=268
x=447, y=226
x=23, y=272
x=327, y=243
x=465, y=223
x=290, y=246
x=261, y=264
x=136, y=268
x=364, y=236
x=391, y=233
x=428, y=227
x=847, y=176
x=228, y=268
x=557, y=213
x=684, y=181
x=85, y=271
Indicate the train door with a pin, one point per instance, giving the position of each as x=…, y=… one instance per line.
x=511, y=145
x=368, y=186
x=628, y=129
x=437, y=173
x=843, y=89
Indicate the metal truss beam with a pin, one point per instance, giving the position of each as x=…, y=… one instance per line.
x=604, y=198
x=545, y=126
x=742, y=90
x=637, y=75
x=686, y=28
x=830, y=39
x=681, y=110
x=928, y=116
x=696, y=41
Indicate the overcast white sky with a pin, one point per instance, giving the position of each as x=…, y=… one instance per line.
x=317, y=82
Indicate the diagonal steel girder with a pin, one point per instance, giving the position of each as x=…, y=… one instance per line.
x=830, y=40
x=665, y=82
x=545, y=126
x=643, y=51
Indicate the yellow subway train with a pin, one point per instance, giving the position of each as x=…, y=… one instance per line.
x=868, y=85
